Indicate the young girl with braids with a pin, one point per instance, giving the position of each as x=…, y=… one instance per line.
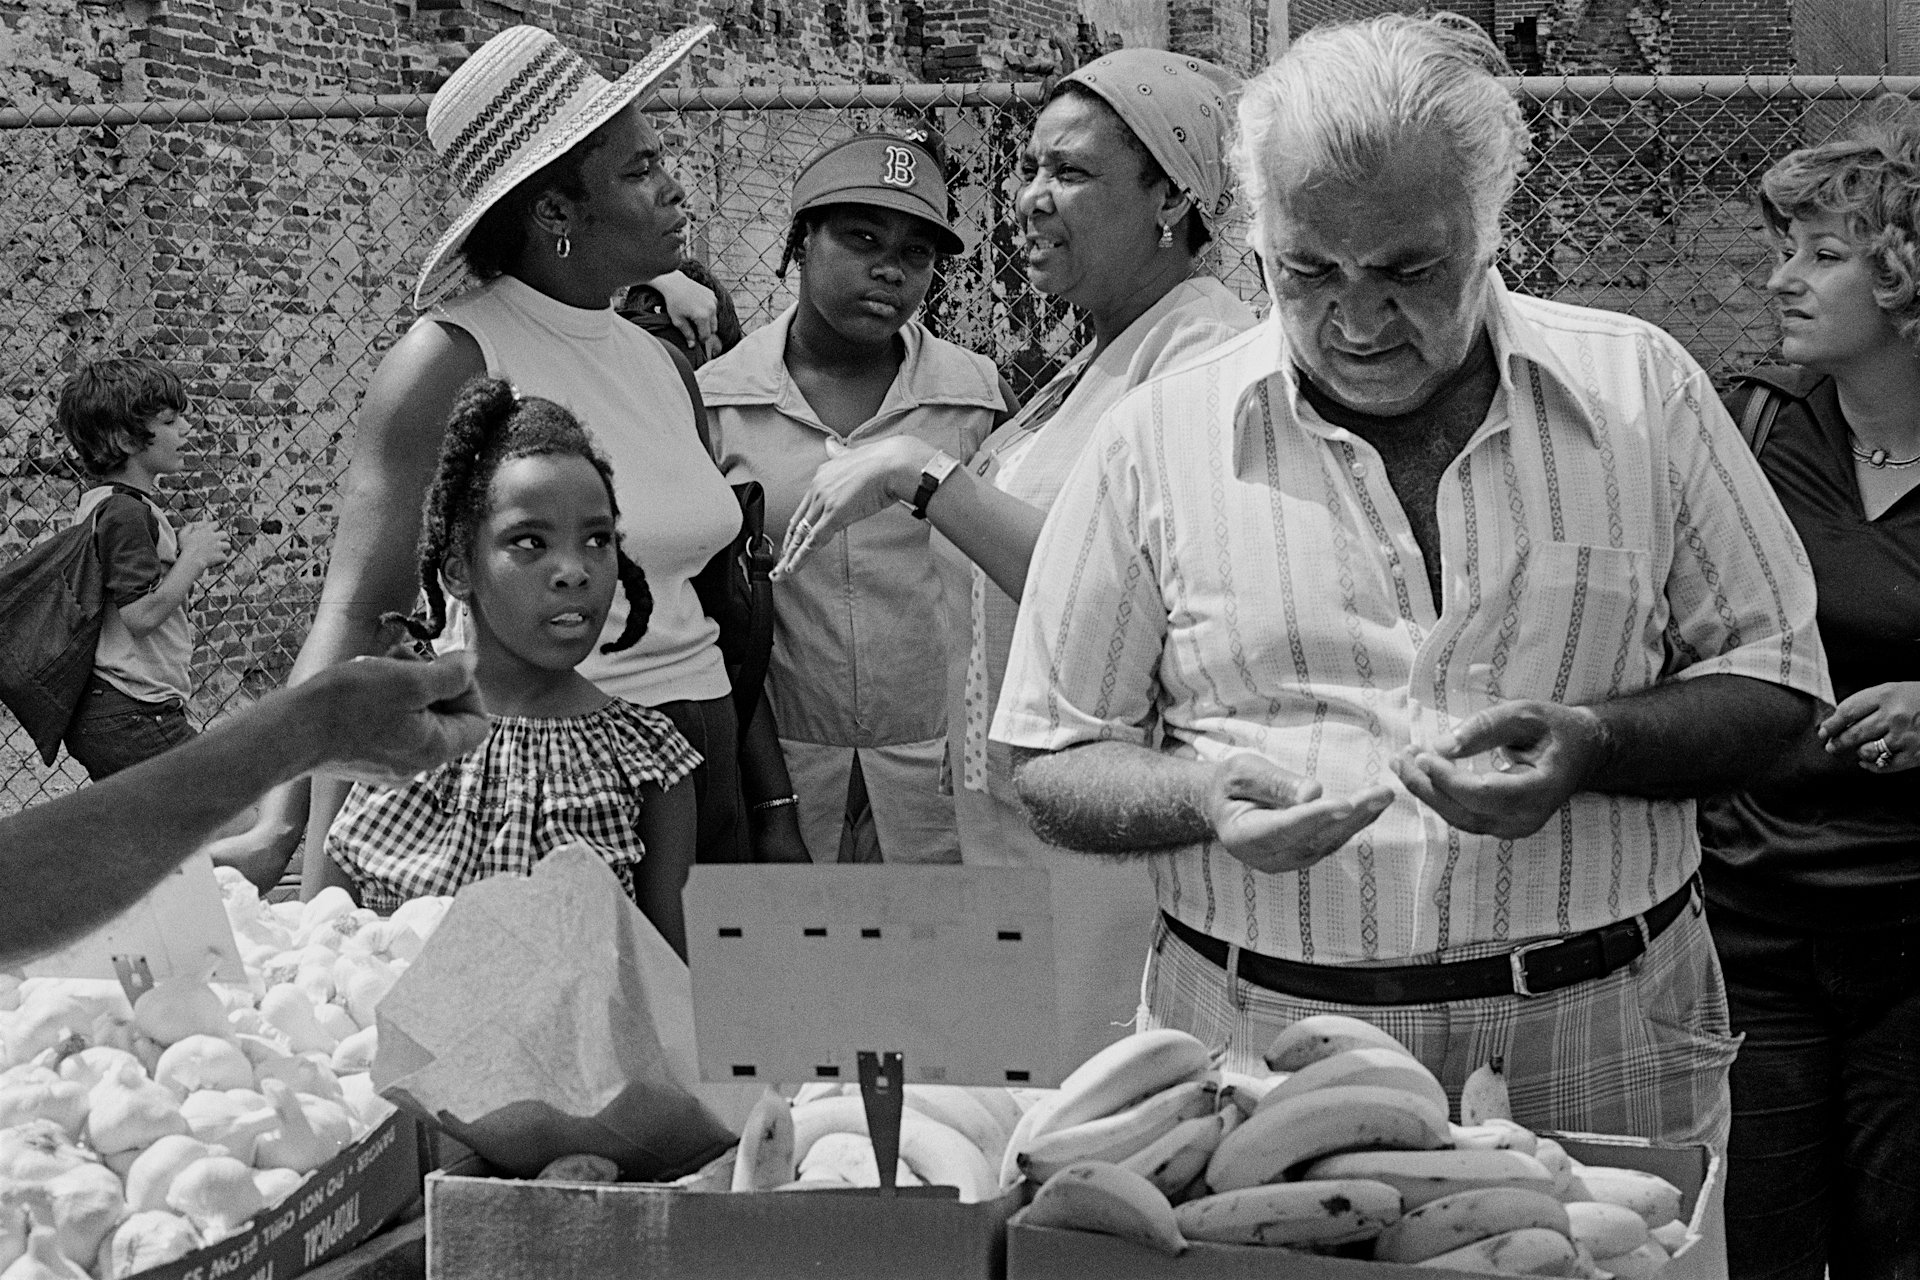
x=520, y=526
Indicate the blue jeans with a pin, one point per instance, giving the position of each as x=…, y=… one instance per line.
x=112, y=731
x=1821, y=1171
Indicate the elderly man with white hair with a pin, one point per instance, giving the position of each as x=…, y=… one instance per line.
x=1399, y=632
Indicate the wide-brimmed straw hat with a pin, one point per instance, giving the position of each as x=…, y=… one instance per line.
x=518, y=104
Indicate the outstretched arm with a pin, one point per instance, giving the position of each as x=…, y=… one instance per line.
x=72, y=864
x=1123, y=798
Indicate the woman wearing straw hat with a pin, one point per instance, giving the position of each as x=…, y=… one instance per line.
x=858, y=630
x=569, y=202
x=1125, y=176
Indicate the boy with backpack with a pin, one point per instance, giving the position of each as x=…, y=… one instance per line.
x=125, y=419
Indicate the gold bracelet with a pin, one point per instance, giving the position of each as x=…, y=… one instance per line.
x=778, y=802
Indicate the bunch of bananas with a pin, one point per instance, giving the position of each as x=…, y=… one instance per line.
x=949, y=1136
x=1345, y=1146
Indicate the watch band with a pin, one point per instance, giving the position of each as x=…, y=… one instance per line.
x=938, y=468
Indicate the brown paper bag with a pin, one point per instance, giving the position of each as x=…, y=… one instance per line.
x=547, y=1016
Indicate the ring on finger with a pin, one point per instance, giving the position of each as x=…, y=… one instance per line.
x=1883, y=752
x=803, y=529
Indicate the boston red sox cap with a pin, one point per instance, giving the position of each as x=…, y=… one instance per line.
x=885, y=170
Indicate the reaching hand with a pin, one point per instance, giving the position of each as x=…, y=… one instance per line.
x=846, y=490
x=1541, y=752
x=206, y=542
x=1879, y=728
x=386, y=720
x=693, y=308
x=1275, y=821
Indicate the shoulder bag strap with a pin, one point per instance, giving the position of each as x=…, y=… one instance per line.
x=1756, y=417
x=756, y=553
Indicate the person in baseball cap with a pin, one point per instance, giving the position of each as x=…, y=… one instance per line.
x=904, y=171
x=858, y=636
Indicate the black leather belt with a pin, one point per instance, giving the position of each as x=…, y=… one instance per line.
x=1528, y=970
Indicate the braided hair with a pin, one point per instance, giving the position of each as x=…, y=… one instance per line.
x=489, y=427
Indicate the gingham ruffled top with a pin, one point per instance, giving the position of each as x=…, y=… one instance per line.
x=533, y=786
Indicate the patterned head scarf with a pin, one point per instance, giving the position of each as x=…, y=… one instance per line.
x=1177, y=106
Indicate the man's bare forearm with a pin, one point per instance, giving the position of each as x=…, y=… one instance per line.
x=1691, y=738
x=1114, y=797
x=74, y=863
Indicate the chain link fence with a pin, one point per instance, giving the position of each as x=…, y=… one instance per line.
x=266, y=248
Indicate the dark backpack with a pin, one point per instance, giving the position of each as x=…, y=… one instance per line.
x=52, y=602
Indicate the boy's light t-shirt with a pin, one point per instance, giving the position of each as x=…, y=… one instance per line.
x=138, y=547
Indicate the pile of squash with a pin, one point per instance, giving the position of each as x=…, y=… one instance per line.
x=132, y=1135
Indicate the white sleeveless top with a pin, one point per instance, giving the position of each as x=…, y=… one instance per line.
x=676, y=509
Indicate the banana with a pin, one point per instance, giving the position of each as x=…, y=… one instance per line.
x=1321, y=1035
x=1245, y=1091
x=941, y=1156
x=1649, y=1195
x=1672, y=1237
x=1558, y=1163
x=1341, y=1117
x=715, y=1175
x=1179, y=1155
x=1123, y=1073
x=766, y=1156
x=848, y=1158
x=959, y=1108
x=1529, y=1251
x=938, y=1154
x=1331, y=1212
x=1640, y=1264
x=1000, y=1104
x=1427, y=1175
x=1036, y=1114
x=1388, y=1068
x=1115, y=1137
x=1497, y=1135
x=1095, y=1196
x=1466, y=1217
x=1484, y=1096
x=1607, y=1229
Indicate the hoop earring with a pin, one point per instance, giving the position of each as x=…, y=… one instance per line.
x=562, y=247
x=1166, y=235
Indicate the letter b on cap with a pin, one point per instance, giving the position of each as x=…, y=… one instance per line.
x=899, y=168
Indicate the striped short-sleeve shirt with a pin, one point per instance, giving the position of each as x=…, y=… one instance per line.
x=1226, y=571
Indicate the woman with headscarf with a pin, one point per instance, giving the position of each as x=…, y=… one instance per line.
x=1125, y=175
x=857, y=628
x=1812, y=875
x=569, y=202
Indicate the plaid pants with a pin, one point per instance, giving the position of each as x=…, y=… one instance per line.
x=1643, y=1050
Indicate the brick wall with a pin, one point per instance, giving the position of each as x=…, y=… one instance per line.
x=269, y=264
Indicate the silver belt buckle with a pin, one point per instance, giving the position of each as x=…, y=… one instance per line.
x=1517, y=962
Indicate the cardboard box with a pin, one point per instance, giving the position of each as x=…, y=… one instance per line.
x=1046, y=1253
x=484, y=1228
x=346, y=1200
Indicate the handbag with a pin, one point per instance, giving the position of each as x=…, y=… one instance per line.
x=53, y=600
x=736, y=586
